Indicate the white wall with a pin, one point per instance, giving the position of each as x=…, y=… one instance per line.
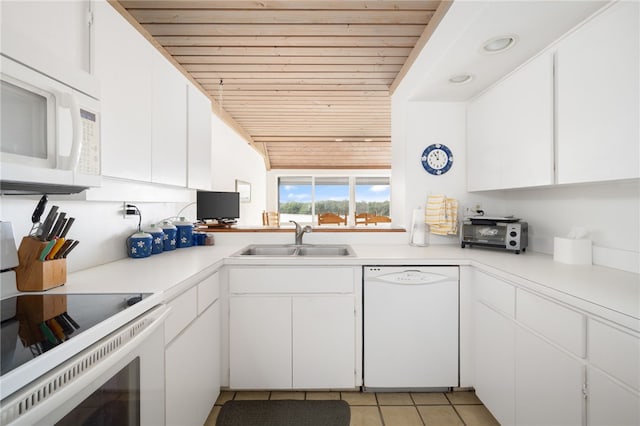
x=416, y=126
x=99, y=225
x=610, y=211
x=234, y=158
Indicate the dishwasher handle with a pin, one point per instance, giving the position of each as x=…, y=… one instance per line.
x=410, y=277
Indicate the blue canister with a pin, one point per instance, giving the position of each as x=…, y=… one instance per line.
x=169, y=238
x=139, y=245
x=157, y=234
x=199, y=238
x=185, y=233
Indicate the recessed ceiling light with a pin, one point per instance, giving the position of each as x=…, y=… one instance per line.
x=499, y=44
x=339, y=140
x=460, y=78
x=368, y=140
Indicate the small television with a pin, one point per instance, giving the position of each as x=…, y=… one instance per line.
x=221, y=206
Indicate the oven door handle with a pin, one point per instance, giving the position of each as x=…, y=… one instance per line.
x=37, y=401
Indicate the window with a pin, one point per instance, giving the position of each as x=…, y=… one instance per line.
x=295, y=199
x=362, y=200
x=373, y=195
x=332, y=195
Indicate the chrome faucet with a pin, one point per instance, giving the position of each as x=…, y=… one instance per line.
x=300, y=231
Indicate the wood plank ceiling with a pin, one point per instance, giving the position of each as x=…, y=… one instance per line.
x=308, y=82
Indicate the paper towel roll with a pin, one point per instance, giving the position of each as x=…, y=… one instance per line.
x=418, y=228
x=572, y=251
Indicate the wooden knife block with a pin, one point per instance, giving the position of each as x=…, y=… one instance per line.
x=33, y=274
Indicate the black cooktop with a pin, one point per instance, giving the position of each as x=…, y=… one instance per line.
x=33, y=324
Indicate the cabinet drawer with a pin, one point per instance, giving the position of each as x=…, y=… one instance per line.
x=615, y=352
x=291, y=280
x=184, y=309
x=208, y=292
x=557, y=323
x=495, y=293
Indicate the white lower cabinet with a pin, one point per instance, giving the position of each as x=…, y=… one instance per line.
x=260, y=342
x=193, y=370
x=538, y=361
x=323, y=342
x=549, y=383
x=192, y=355
x=610, y=402
x=494, y=352
x=292, y=328
x=613, y=377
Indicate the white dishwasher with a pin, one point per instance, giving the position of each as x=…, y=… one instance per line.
x=410, y=327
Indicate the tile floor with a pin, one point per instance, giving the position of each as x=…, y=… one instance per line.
x=388, y=409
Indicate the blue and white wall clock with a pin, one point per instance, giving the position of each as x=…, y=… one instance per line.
x=437, y=159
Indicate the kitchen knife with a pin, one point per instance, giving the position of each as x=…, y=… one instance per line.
x=67, y=225
x=48, y=223
x=64, y=248
x=46, y=250
x=55, y=231
x=66, y=253
x=56, y=247
x=37, y=214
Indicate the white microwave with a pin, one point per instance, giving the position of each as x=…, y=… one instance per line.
x=49, y=131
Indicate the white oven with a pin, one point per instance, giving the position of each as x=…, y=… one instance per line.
x=118, y=380
x=49, y=129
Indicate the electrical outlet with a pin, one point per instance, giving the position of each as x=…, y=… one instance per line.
x=472, y=209
x=128, y=212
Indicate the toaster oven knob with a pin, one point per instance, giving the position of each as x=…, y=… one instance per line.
x=512, y=243
x=513, y=233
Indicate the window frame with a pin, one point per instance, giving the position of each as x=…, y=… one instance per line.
x=351, y=191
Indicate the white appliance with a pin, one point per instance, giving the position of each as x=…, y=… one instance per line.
x=411, y=327
x=49, y=130
x=118, y=379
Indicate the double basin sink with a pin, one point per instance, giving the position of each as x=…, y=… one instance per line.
x=293, y=250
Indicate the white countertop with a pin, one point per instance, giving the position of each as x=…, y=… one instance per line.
x=610, y=293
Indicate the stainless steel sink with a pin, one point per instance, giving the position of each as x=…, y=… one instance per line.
x=292, y=250
x=268, y=251
x=325, y=251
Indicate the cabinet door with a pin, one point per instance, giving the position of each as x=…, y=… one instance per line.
x=59, y=28
x=260, y=342
x=611, y=403
x=124, y=67
x=549, y=383
x=494, y=362
x=323, y=342
x=510, y=130
x=199, y=136
x=193, y=371
x=169, y=124
x=598, y=101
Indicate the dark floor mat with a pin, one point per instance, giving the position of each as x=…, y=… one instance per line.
x=284, y=413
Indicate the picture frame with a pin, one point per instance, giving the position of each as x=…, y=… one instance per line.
x=244, y=188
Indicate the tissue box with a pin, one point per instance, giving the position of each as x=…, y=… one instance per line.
x=572, y=251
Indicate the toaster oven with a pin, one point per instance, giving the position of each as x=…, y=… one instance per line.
x=505, y=233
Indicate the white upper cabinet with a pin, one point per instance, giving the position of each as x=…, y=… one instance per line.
x=512, y=122
x=199, y=139
x=124, y=65
x=60, y=28
x=598, y=98
x=169, y=123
